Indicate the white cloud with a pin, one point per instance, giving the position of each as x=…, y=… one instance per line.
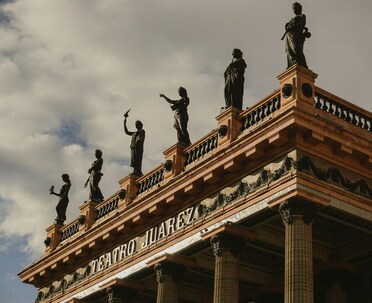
x=84, y=63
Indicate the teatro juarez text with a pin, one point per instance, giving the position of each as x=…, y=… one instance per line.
x=151, y=236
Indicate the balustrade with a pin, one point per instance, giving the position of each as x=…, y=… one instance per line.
x=257, y=114
x=69, y=230
x=151, y=180
x=342, y=111
x=107, y=207
x=204, y=147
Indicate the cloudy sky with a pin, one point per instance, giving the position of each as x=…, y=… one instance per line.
x=69, y=69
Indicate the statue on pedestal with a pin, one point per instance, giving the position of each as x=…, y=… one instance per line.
x=136, y=145
x=63, y=199
x=234, y=80
x=181, y=117
x=95, y=177
x=295, y=34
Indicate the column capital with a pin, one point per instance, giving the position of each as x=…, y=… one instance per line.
x=168, y=269
x=120, y=288
x=110, y=295
x=170, y=265
x=234, y=243
x=296, y=207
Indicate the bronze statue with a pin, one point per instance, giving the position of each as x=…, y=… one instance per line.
x=234, y=80
x=63, y=199
x=95, y=177
x=181, y=117
x=295, y=34
x=136, y=145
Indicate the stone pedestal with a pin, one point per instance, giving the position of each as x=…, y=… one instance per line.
x=297, y=217
x=53, y=238
x=174, y=160
x=229, y=125
x=128, y=190
x=297, y=84
x=88, y=210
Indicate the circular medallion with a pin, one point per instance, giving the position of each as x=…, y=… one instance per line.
x=287, y=90
x=307, y=90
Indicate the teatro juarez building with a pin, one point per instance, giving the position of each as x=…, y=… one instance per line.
x=273, y=205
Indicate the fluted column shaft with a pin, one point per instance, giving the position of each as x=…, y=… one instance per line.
x=297, y=217
x=167, y=275
x=226, y=276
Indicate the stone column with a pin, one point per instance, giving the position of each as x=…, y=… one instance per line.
x=226, y=248
x=167, y=275
x=297, y=217
x=121, y=291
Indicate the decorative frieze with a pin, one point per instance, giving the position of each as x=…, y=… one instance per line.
x=333, y=175
x=62, y=285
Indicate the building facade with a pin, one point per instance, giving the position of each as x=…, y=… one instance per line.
x=274, y=205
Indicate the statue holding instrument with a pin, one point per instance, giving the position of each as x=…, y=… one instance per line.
x=63, y=199
x=295, y=34
x=136, y=145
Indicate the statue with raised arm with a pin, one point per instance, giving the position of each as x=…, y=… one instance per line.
x=181, y=117
x=295, y=34
x=136, y=145
x=94, y=178
x=63, y=199
x=234, y=80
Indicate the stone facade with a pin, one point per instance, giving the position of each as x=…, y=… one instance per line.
x=274, y=205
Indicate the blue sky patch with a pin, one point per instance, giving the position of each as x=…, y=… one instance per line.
x=69, y=133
